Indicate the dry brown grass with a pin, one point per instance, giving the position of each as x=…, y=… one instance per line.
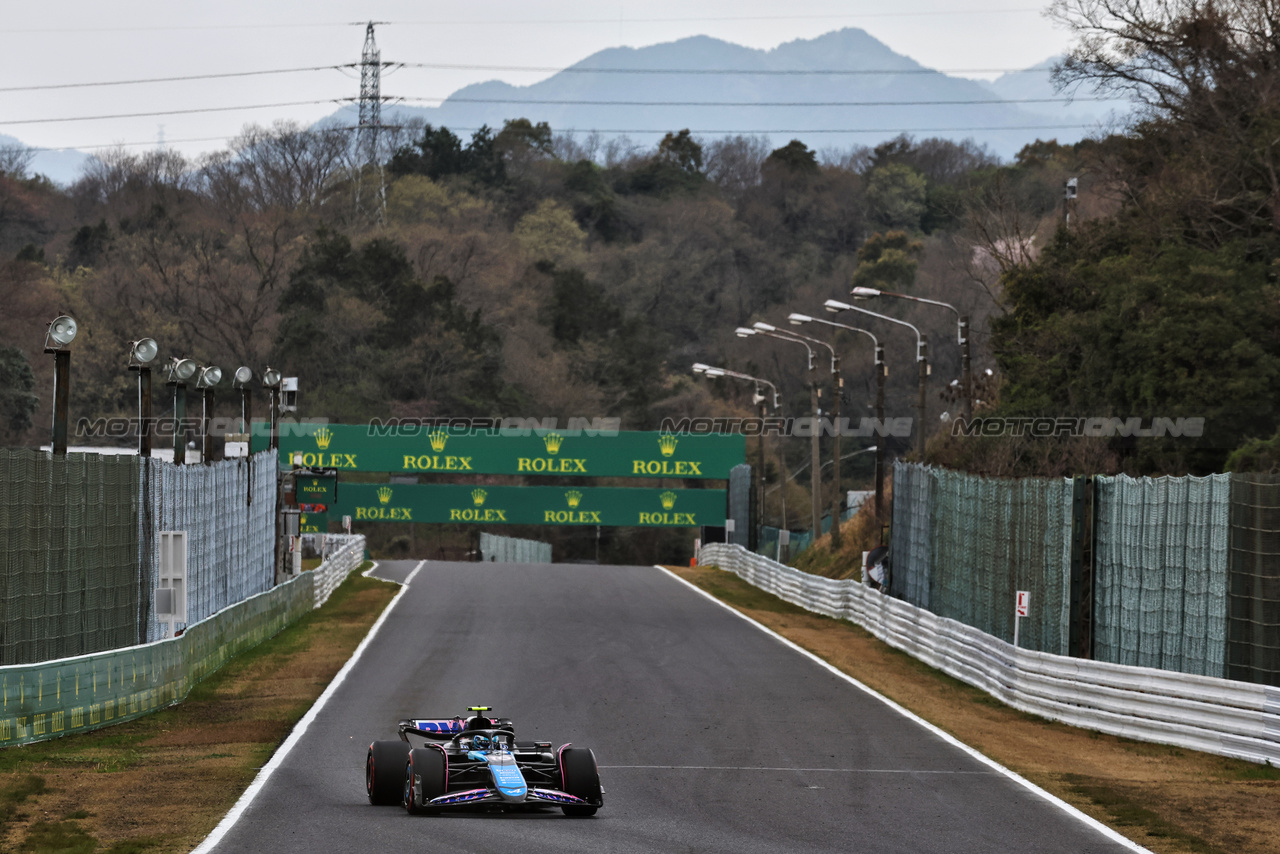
x=162, y=782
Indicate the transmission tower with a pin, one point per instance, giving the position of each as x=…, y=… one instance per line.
x=370, y=98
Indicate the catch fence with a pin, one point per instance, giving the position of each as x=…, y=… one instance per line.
x=78, y=546
x=1176, y=573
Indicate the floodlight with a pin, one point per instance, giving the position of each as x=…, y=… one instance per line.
x=62, y=331
x=864, y=293
x=143, y=351
x=271, y=378
x=243, y=376
x=181, y=370
x=209, y=377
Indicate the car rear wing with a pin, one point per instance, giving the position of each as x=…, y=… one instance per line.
x=446, y=728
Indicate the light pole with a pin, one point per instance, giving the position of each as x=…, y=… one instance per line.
x=881, y=372
x=922, y=361
x=141, y=354
x=271, y=379
x=209, y=377
x=837, y=387
x=60, y=332
x=180, y=370
x=962, y=334
x=242, y=380
x=771, y=331
x=761, y=401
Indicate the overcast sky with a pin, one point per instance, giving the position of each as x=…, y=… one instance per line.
x=76, y=41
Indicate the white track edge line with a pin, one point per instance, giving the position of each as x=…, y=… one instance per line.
x=910, y=715
x=277, y=759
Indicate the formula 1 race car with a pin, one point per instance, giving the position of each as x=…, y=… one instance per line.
x=443, y=764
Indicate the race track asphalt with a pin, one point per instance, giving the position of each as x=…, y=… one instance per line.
x=712, y=736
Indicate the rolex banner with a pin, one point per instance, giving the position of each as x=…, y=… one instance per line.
x=531, y=505
x=348, y=447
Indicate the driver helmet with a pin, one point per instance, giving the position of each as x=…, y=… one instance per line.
x=481, y=742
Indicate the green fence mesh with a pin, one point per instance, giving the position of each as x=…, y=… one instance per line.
x=69, y=568
x=1160, y=572
x=912, y=543
x=41, y=701
x=1253, y=591
x=994, y=537
x=963, y=545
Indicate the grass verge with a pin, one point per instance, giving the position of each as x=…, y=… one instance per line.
x=162, y=782
x=1170, y=800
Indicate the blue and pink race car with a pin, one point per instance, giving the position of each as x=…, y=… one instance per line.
x=443, y=764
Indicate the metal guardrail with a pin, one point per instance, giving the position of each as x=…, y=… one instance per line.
x=343, y=553
x=1220, y=716
x=87, y=692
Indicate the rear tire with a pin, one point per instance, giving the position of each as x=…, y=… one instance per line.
x=424, y=779
x=580, y=778
x=384, y=772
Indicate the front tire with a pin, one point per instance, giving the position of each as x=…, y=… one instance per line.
x=424, y=779
x=384, y=771
x=580, y=777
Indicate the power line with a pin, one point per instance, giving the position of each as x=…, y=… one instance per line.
x=533, y=21
x=577, y=69
x=218, y=76
x=969, y=101
x=572, y=70
x=718, y=18
x=168, y=112
x=199, y=110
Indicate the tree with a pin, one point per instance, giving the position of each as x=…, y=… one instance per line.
x=550, y=233
x=682, y=150
x=897, y=196
x=1203, y=148
x=15, y=160
x=794, y=157
x=17, y=401
x=440, y=153
x=734, y=163
x=887, y=262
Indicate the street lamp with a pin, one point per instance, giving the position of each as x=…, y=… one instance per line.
x=770, y=331
x=962, y=334
x=271, y=380
x=760, y=400
x=242, y=380
x=141, y=354
x=837, y=390
x=209, y=377
x=60, y=332
x=922, y=361
x=179, y=371
x=882, y=371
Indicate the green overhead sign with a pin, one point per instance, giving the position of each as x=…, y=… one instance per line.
x=318, y=489
x=531, y=505
x=541, y=452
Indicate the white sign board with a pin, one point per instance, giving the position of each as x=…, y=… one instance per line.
x=346, y=524
x=1024, y=602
